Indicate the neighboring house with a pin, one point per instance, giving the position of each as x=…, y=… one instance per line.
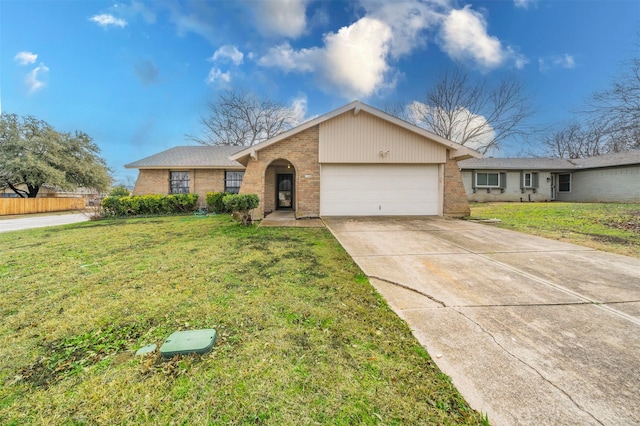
x=353, y=161
x=603, y=178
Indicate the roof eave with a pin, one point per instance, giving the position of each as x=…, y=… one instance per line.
x=182, y=166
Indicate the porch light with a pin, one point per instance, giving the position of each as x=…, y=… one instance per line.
x=288, y=166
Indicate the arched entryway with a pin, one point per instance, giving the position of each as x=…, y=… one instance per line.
x=280, y=187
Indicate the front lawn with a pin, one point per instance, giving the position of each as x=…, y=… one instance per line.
x=609, y=227
x=303, y=338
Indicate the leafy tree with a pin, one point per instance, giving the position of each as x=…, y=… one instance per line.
x=33, y=154
x=119, y=191
x=474, y=114
x=238, y=118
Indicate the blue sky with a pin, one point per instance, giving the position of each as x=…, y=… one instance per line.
x=136, y=75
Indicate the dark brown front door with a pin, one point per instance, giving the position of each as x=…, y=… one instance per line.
x=284, y=191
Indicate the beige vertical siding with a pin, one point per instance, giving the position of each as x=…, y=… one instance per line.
x=364, y=138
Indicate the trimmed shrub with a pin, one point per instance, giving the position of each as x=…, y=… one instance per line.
x=215, y=202
x=136, y=205
x=242, y=204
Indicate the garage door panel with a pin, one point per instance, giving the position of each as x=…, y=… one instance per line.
x=388, y=189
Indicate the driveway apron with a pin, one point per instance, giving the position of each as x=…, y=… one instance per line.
x=531, y=331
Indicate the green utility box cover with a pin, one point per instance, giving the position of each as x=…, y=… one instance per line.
x=188, y=342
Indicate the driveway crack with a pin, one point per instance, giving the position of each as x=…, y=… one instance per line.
x=581, y=408
x=406, y=287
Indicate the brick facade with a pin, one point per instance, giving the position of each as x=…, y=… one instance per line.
x=455, y=200
x=301, y=151
x=201, y=181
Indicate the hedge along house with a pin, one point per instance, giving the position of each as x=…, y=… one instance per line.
x=189, y=169
x=603, y=178
x=356, y=161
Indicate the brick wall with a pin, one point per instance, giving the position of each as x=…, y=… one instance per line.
x=455, y=196
x=301, y=150
x=201, y=181
x=152, y=182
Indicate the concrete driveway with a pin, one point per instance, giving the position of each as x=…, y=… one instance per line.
x=39, y=221
x=532, y=331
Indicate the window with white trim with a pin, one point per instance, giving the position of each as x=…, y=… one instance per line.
x=530, y=179
x=488, y=180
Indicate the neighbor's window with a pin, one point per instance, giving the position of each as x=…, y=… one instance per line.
x=178, y=182
x=530, y=180
x=488, y=180
x=232, y=181
x=564, y=182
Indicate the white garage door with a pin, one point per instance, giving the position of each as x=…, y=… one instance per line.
x=376, y=189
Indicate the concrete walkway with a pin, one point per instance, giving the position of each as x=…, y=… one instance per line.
x=39, y=221
x=532, y=331
x=287, y=219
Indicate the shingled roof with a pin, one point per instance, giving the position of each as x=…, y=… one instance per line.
x=607, y=160
x=195, y=157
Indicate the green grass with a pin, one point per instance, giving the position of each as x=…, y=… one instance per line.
x=609, y=227
x=303, y=338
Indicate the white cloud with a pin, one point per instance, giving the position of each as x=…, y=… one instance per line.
x=464, y=37
x=563, y=61
x=280, y=17
x=356, y=56
x=524, y=4
x=285, y=57
x=33, y=80
x=519, y=60
x=298, y=109
x=217, y=76
x=353, y=60
x=228, y=52
x=105, y=20
x=25, y=58
x=408, y=19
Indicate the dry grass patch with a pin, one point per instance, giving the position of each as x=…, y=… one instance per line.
x=303, y=338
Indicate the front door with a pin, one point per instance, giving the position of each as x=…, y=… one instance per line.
x=284, y=191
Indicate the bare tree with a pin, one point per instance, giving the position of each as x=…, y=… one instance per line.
x=575, y=141
x=239, y=118
x=475, y=114
x=617, y=108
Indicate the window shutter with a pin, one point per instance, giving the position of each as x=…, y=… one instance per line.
x=473, y=180
x=503, y=180
x=534, y=179
x=522, y=181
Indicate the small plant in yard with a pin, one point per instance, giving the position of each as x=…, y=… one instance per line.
x=215, y=202
x=303, y=337
x=242, y=204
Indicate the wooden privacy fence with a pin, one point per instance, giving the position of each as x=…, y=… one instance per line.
x=39, y=205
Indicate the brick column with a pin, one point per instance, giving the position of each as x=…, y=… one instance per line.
x=456, y=203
